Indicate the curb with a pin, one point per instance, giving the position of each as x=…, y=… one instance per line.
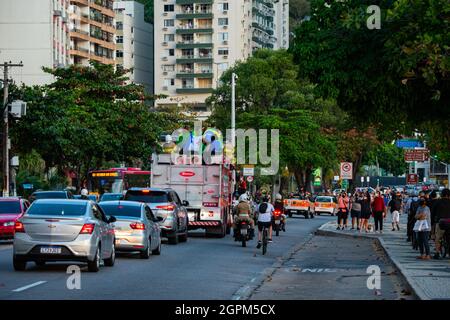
x=410, y=282
x=246, y=291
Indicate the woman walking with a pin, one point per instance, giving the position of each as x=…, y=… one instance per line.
x=422, y=229
x=379, y=212
x=343, y=204
x=365, y=212
x=356, y=210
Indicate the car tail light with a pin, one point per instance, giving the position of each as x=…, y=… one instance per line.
x=169, y=207
x=137, y=226
x=316, y=204
x=88, y=228
x=18, y=227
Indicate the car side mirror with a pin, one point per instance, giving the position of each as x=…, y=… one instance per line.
x=112, y=219
x=185, y=203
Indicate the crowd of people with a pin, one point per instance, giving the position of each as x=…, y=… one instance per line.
x=425, y=211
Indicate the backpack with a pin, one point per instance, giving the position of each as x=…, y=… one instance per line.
x=263, y=207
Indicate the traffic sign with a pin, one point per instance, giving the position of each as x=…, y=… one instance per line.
x=249, y=178
x=27, y=186
x=412, y=178
x=408, y=143
x=347, y=170
x=344, y=184
x=247, y=171
x=420, y=155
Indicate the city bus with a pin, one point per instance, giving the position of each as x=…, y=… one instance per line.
x=116, y=180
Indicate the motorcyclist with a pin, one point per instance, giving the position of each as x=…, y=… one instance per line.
x=279, y=205
x=244, y=213
x=84, y=194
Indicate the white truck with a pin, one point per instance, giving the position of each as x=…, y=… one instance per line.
x=206, y=188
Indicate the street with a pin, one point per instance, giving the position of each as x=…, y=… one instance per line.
x=201, y=269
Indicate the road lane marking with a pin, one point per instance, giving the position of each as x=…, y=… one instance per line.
x=29, y=286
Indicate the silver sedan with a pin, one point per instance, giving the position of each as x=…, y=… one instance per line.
x=64, y=230
x=136, y=228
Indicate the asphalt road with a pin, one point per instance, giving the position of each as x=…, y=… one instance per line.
x=202, y=268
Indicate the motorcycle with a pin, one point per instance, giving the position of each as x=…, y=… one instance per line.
x=243, y=233
x=278, y=224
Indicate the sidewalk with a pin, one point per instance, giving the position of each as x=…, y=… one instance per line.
x=429, y=279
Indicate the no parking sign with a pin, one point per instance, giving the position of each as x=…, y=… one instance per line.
x=347, y=170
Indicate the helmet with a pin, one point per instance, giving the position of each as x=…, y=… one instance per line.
x=243, y=197
x=278, y=197
x=84, y=192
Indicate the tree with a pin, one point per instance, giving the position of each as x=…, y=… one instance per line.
x=384, y=77
x=388, y=157
x=148, y=10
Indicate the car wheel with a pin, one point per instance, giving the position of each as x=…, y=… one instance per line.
x=146, y=253
x=157, y=251
x=112, y=259
x=94, y=266
x=19, y=265
x=173, y=239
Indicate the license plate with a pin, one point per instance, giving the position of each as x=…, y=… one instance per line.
x=243, y=232
x=51, y=250
x=277, y=221
x=294, y=211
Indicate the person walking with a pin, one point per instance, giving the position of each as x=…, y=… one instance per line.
x=423, y=227
x=379, y=212
x=356, y=210
x=343, y=207
x=395, y=205
x=365, y=212
x=441, y=210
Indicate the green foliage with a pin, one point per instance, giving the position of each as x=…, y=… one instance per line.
x=389, y=157
x=148, y=7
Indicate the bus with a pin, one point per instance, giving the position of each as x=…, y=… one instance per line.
x=117, y=180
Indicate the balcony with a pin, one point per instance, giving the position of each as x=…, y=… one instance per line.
x=194, y=1
x=192, y=44
x=194, y=90
x=199, y=29
x=193, y=74
x=203, y=14
x=79, y=34
x=193, y=59
x=80, y=2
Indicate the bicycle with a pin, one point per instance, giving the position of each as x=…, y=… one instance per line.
x=265, y=240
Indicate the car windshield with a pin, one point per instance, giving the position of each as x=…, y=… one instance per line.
x=50, y=195
x=111, y=197
x=9, y=207
x=147, y=196
x=120, y=210
x=323, y=199
x=57, y=209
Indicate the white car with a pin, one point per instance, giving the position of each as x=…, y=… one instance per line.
x=325, y=204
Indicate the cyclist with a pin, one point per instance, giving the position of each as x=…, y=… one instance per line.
x=265, y=212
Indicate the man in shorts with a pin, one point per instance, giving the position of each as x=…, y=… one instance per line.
x=265, y=211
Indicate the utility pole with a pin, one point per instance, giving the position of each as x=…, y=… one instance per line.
x=233, y=124
x=6, y=66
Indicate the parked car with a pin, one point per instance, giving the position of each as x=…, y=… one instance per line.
x=325, y=204
x=51, y=195
x=64, y=230
x=136, y=228
x=165, y=203
x=11, y=209
x=111, y=197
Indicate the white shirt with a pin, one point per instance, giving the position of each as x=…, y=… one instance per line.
x=266, y=216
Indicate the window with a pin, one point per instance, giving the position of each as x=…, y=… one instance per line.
x=169, y=8
x=223, y=6
x=132, y=29
x=169, y=82
x=223, y=36
x=169, y=37
x=223, y=21
x=171, y=52
x=119, y=54
x=169, y=67
x=223, y=51
x=119, y=39
x=169, y=23
x=119, y=25
x=222, y=66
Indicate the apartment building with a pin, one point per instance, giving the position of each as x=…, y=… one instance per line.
x=197, y=40
x=55, y=33
x=134, y=41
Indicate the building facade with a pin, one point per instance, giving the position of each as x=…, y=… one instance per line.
x=55, y=33
x=134, y=41
x=197, y=40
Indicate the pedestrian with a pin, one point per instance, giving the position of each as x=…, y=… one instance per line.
x=343, y=207
x=395, y=205
x=422, y=227
x=441, y=210
x=379, y=212
x=365, y=212
x=356, y=210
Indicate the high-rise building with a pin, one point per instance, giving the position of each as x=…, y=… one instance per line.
x=55, y=33
x=134, y=41
x=197, y=40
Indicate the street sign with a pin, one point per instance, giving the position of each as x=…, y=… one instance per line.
x=27, y=186
x=336, y=178
x=347, y=170
x=408, y=143
x=249, y=178
x=420, y=155
x=344, y=184
x=362, y=179
x=368, y=179
x=248, y=171
x=412, y=178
